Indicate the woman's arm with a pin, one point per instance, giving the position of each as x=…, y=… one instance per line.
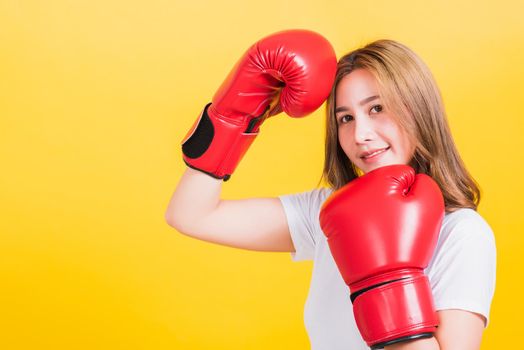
x=196, y=210
x=421, y=344
x=228, y=125
x=459, y=329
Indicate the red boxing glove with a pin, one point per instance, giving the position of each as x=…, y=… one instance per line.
x=291, y=71
x=382, y=229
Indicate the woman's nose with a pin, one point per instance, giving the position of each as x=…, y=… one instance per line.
x=364, y=130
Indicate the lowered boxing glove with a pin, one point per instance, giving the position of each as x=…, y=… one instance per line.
x=382, y=229
x=291, y=71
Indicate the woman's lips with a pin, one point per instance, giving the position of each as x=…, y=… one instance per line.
x=375, y=155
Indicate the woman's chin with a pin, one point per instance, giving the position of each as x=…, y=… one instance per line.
x=366, y=168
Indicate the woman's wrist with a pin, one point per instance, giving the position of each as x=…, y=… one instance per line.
x=421, y=344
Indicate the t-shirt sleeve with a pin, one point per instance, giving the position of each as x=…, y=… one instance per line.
x=463, y=271
x=302, y=210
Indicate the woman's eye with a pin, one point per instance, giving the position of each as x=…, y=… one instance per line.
x=378, y=108
x=345, y=118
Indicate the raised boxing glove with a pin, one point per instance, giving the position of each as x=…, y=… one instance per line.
x=291, y=71
x=382, y=229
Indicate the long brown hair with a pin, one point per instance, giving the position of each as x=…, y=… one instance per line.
x=409, y=90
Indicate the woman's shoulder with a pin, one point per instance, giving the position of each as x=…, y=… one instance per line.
x=322, y=192
x=316, y=195
x=466, y=223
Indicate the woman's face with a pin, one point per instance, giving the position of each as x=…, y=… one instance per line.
x=367, y=132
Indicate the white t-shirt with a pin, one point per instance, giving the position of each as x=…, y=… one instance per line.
x=461, y=271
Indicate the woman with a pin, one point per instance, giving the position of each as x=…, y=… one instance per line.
x=384, y=108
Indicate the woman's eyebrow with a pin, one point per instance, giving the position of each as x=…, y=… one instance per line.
x=363, y=102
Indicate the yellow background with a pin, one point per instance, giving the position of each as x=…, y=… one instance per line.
x=95, y=97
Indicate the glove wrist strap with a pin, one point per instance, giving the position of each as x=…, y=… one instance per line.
x=216, y=145
x=402, y=310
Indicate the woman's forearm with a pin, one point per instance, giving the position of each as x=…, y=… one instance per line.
x=421, y=344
